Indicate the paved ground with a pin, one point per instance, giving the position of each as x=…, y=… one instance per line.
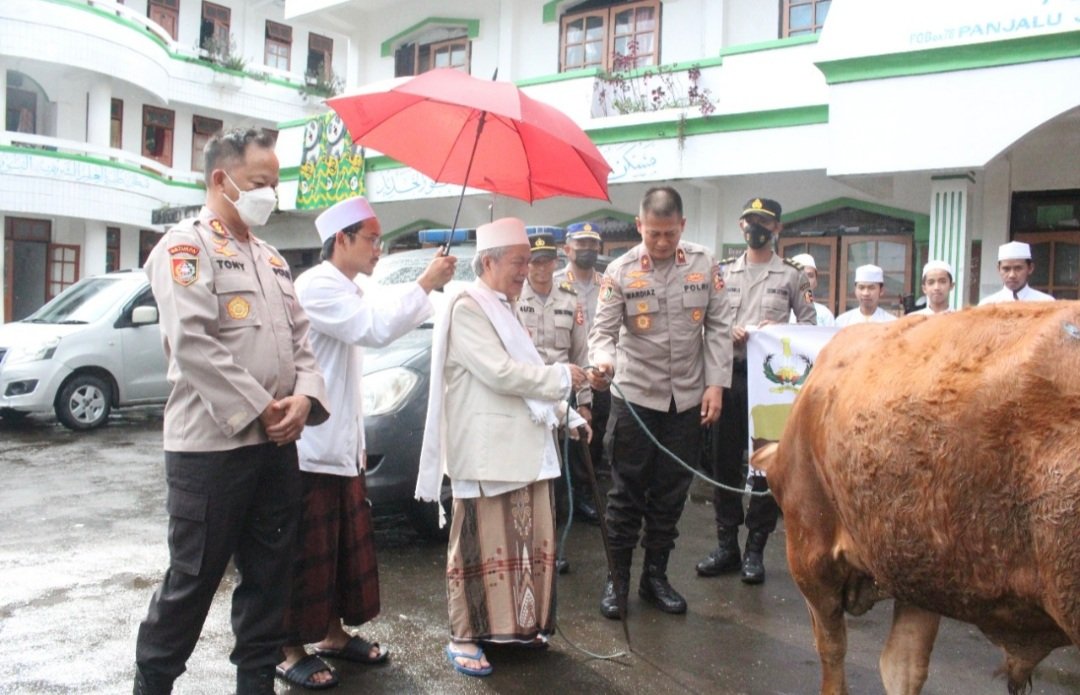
x=82, y=546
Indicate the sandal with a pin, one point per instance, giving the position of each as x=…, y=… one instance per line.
x=357, y=649
x=454, y=654
x=302, y=673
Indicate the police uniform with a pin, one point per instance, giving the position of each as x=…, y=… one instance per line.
x=770, y=292
x=666, y=331
x=556, y=324
x=236, y=340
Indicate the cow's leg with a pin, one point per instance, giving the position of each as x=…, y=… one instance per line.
x=830, y=638
x=906, y=657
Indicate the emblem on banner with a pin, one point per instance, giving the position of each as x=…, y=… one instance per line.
x=787, y=370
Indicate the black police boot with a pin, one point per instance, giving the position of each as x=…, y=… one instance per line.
x=255, y=681
x=753, y=567
x=584, y=508
x=150, y=682
x=726, y=557
x=618, y=586
x=654, y=586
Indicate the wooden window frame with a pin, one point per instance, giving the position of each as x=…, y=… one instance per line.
x=1052, y=238
x=116, y=116
x=202, y=127
x=168, y=7
x=785, y=17
x=222, y=28
x=826, y=292
x=112, y=249
x=55, y=265
x=164, y=114
x=607, y=15
x=280, y=36
x=326, y=50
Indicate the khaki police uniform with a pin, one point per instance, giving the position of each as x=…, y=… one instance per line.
x=236, y=339
x=782, y=289
x=587, y=288
x=666, y=330
x=556, y=324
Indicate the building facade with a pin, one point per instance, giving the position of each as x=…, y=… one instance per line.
x=939, y=131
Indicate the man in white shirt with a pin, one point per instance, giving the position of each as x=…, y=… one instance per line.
x=869, y=283
x=1015, y=267
x=335, y=581
x=809, y=267
x=937, y=283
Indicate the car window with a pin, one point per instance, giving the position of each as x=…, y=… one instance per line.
x=84, y=302
x=399, y=268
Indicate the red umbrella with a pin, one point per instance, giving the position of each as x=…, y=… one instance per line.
x=484, y=134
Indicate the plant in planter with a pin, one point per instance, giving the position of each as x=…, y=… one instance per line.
x=628, y=89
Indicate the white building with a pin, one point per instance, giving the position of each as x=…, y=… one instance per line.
x=890, y=133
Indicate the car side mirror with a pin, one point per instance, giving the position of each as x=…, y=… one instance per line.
x=142, y=315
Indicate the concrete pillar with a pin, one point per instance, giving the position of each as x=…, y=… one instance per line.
x=94, y=248
x=98, y=113
x=950, y=235
x=505, y=38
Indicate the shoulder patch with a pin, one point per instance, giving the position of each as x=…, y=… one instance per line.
x=728, y=261
x=567, y=287
x=794, y=264
x=189, y=249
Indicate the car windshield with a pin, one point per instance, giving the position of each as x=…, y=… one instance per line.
x=399, y=268
x=84, y=302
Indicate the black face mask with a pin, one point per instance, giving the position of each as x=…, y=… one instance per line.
x=585, y=258
x=756, y=235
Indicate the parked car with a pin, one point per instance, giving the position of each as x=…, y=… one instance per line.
x=96, y=346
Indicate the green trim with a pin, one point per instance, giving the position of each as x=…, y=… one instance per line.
x=560, y=77
x=969, y=176
x=1029, y=49
x=101, y=162
x=289, y=174
x=415, y=226
x=723, y=123
x=769, y=45
x=550, y=12
x=143, y=31
x=599, y=213
x=920, y=220
x=472, y=30
x=295, y=123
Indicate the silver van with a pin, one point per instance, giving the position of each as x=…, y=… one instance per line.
x=96, y=346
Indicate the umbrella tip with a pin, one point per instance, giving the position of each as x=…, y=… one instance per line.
x=495, y=74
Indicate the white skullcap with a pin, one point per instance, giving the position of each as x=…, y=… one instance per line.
x=1014, y=250
x=938, y=265
x=340, y=215
x=869, y=273
x=805, y=260
x=508, y=231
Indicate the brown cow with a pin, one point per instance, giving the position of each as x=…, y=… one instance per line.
x=936, y=460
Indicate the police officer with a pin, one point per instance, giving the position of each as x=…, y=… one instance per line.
x=244, y=384
x=762, y=288
x=662, y=332
x=582, y=247
x=555, y=320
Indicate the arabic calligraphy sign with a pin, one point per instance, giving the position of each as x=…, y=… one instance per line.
x=331, y=166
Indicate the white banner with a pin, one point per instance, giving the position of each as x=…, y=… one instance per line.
x=779, y=358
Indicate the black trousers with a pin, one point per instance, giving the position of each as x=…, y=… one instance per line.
x=601, y=408
x=243, y=505
x=647, y=486
x=729, y=443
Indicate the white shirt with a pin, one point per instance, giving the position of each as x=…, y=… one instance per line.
x=341, y=321
x=927, y=311
x=1025, y=294
x=855, y=316
x=824, y=316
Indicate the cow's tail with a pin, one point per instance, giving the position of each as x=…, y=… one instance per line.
x=764, y=456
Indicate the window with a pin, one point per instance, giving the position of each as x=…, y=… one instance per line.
x=594, y=38
x=63, y=269
x=116, y=124
x=112, y=249
x=800, y=17
x=278, y=45
x=320, y=57
x=158, y=134
x=201, y=130
x=1050, y=222
x=214, y=33
x=824, y=253
x=164, y=13
x=148, y=239
x=414, y=58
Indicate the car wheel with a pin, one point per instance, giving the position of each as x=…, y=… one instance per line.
x=84, y=403
x=424, y=516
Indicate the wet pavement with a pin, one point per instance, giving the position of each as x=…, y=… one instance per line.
x=82, y=547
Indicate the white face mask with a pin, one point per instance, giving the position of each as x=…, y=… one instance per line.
x=254, y=206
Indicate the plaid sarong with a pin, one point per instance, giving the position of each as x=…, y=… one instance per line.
x=500, y=572
x=335, y=571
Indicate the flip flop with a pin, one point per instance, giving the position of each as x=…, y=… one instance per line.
x=302, y=672
x=357, y=649
x=455, y=654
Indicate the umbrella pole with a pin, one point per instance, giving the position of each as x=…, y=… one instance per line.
x=468, y=170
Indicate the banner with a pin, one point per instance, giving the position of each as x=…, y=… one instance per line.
x=331, y=166
x=779, y=359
